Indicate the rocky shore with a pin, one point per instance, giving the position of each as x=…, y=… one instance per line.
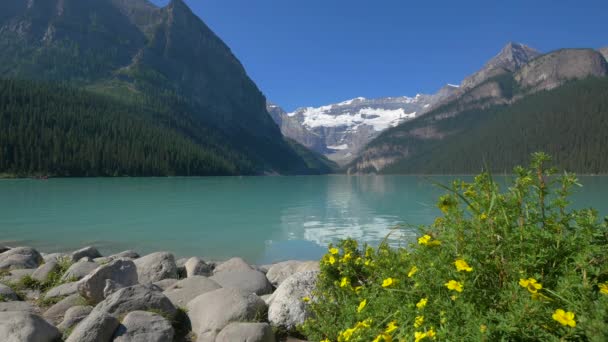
x=83, y=296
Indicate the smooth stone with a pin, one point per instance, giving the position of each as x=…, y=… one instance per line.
x=155, y=267
x=246, y=332
x=209, y=313
x=141, y=326
x=196, y=266
x=166, y=283
x=234, y=264
x=129, y=254
x=277, y=273
x=66, y=289
x=248, y=280
x=56, y=312
x=181, y=267
x=187, y=289
x=287, y=308
x=120, y=271
x=79, y=270
x=43, y=272
x=16, y=306
x=55, y=257
x=26, y=327
x=73, y=316
x=7, y=293
x=4, y=249
x=20, y=258
x=137, y=298
x=17, y=275
x=99, y=326
x=89, y=252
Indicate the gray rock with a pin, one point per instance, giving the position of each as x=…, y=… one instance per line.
x=73, y=316
x=120, y=271
x=89, y=252
x=136, y=298
x=196, y=266
x=209, y=313
x=4, y=249
x=66, y=289
x=99, y=326
x=277, y=273
x=187, y=289
x=26, y=327
x=246, y=332
x=155, y=267
x=141, y=326
x=181, y=267
x=287, y=308
x=79, y=270
x=166, y=283
x=56, y=312
x=16, y=306
x=42, y=272
x=249, y=280
x=102, y=260
x=7, y=293
x=129, y=254
x=17, y=275
x=234, y=264
x=20, y=258
x=55, y=257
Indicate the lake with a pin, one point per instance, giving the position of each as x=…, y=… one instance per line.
x=262, y=219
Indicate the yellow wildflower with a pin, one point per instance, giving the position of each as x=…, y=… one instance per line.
x=346, y=334
x=334, y=251
x=424, y=240
x=603, y=288
x=453, y=297
x=531, y=284
x=431, y=334
x=461, y=265
x=358, y=261
x=325, y=340
x=412, y=271
x=483, y=217
x=564, y=318
x=365, y=324
x=483, y=328
x=388, y=282
x=391, y=326
x=362, y=305
x=332, y=260
x=345, y=282
x=367, y=262
x=357, y=289
x=383, y=337
x=306, y=299
x=454, y=285
x=347, y=257
x=418, y=321
x=422, y=303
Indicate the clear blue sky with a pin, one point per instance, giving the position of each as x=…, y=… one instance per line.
x=315, y=52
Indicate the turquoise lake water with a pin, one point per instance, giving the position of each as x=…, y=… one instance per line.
x=262, y=219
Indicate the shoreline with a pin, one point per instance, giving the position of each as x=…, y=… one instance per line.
x=127, y=290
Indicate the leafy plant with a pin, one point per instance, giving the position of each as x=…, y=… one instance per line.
x=498, y=265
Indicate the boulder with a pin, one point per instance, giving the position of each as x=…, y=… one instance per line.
x=26, y=327
x=181, y=267
x=88, y=252
x=187, y=289
x=79, y=270
x=155, y=267
x=137, y=298
x=120, y=271
x=196, y=266
x=56, y=312
x=62, y=290
x=234, y=264
x=141, y=326
x=73, y=316
x=99, y=326
x=43, y=272
x=20, y=258
x=246, y=332
x=55, y=257
x=166, y=283
x=209, y=313
x=249, y=280
x=4, y=249
x=7, y=293
x=287, y=308
x=16, y=306
x=129, y=254
x=277, y=273
x=17, y=275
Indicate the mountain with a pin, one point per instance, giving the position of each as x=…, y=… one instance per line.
x=136, y=53
x=526, y=102
x=340, y=130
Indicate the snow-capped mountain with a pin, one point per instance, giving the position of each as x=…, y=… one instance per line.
x=340, y=130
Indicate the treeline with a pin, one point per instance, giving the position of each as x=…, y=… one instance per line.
x=62, y=131
x=570, y=123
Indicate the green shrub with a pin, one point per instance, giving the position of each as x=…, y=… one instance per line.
x=516, y=265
